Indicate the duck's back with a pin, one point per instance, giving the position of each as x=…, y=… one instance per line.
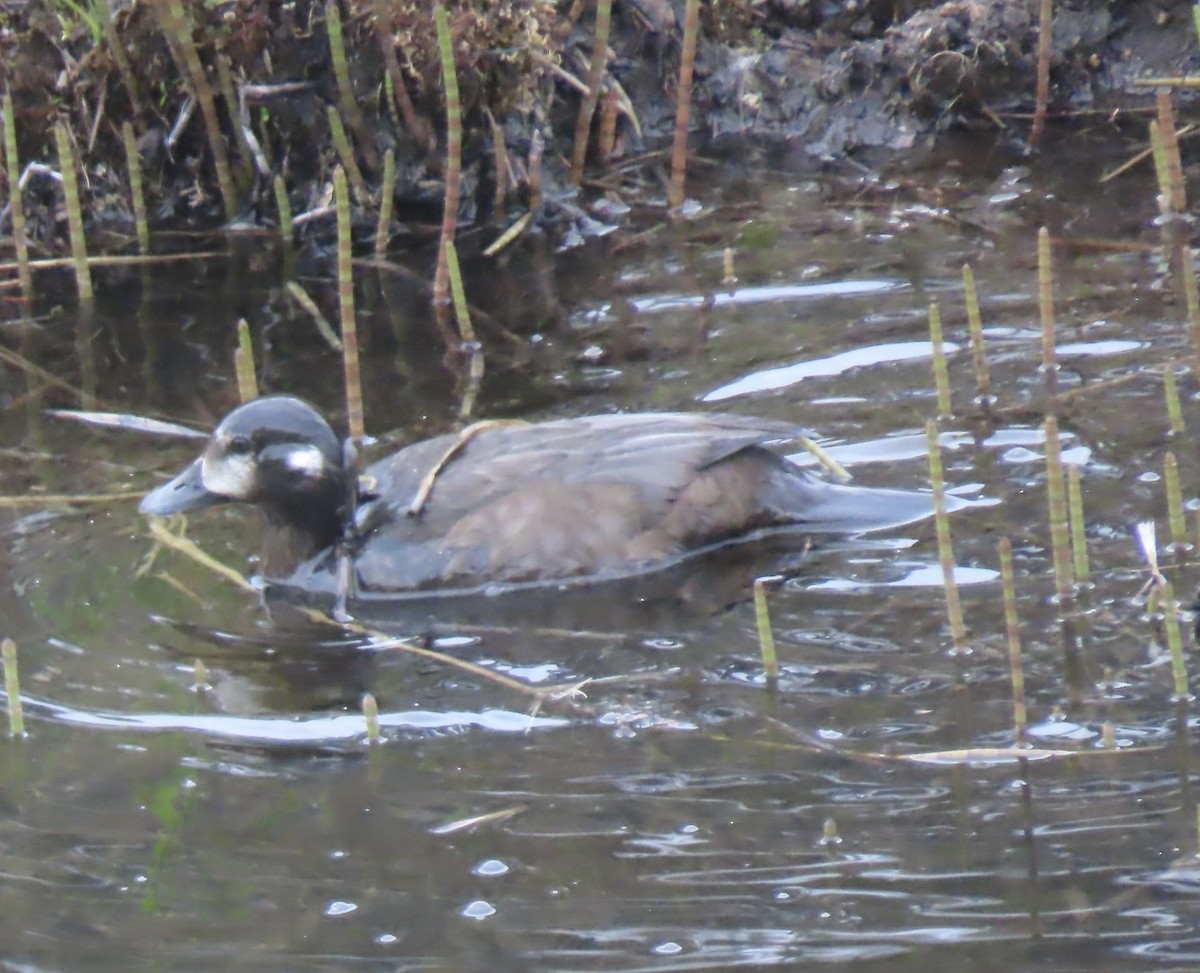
x=575, y=497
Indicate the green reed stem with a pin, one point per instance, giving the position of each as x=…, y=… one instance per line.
x=370, y=709
x=1046, y=312
x=66, y=163
x=12, y=688
x=587, y=106
x=766, y=638
x=1176, y=193
x=136, y=192
x=345, y=90
x=176, y=23
x=345, y=271
x=200, y=680
x=441, y=277
x=503, y=170
x=1159, y=155
x=12, y=165
x=1191, y=297
x=983, y=380
x=941, y=373
x=1170, y=610
x=1174, y=493
x=284, y=207
x=1079, y=552
x=954, y=614
x=1196, y=24
x=383, y=231
x=1174, y=408
x=683, y=103
x=1060, y=542
x=345, y=153
x=300, y=295
x=243, y=363
x=462, y=312
x=1012, y=626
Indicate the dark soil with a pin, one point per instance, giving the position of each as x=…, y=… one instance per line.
x=837, y=78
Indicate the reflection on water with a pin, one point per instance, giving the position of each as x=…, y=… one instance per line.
x=640, y=797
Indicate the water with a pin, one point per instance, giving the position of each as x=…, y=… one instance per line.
x=675, y=818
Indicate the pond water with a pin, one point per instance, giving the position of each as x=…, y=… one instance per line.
x=685, y=815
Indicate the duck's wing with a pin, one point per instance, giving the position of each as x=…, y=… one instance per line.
x=590, y=496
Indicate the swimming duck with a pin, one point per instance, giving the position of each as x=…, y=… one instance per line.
x=514, y=504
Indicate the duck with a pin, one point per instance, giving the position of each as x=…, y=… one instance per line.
x=506, y=505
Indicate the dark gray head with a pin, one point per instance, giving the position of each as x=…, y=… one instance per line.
x=276, y=452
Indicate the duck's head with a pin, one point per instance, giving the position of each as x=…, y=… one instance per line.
x=279, y=454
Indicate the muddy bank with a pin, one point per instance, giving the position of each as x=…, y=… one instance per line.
x=255, y=80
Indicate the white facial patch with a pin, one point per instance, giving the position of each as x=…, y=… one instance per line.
x=228, y=476
x=305, y=460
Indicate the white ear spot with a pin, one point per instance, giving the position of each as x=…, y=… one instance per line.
x=305, y=460
x=228, y=476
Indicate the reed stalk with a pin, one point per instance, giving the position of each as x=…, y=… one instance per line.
x=1046, y=313
x=1170, y=610
x=243, y=363
x=441, y=276
x=283, y=205
x=1176, y=192
x=370, y=709
x=300, y=295
x=345, y=153
x=1175, y=421
x=387, y=191
x=12, y=688
x=1175, y=518
x=683, y=104
x=12, y=165
x=1079, y=553
x=983, y=379
x=345, y=90
x=177, y=25
x=137, y=196
x=345, y=272
x=503, y=171
x=766, y=638
x=954, y=613
x=1159, y=155
x=200, y=679
x=462, y=312
x=533, y=170
x=1191, y=297
x=587, y=106
x=1042, y=91
x=606, y=137
x=79, y=256
x=941, y=373
x=1012, y=626
x=1060, y=542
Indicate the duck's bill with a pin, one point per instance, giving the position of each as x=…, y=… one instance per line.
x=179, y=496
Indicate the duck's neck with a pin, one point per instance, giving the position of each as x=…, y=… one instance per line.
x=302, y=529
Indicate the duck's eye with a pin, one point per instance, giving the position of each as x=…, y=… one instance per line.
x=239, y=444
